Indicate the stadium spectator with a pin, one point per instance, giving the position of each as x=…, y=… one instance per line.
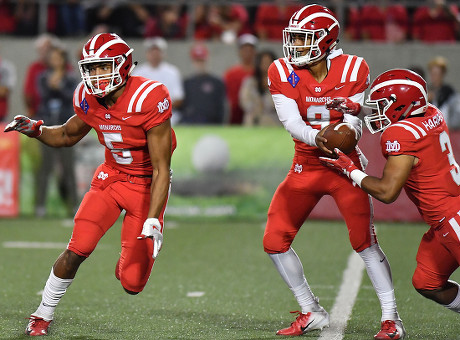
x=271, y=18
x=443, y=95
x=130, y=115
x=436, y=22
x=352, y=29
x=56, y=85
x=255, y=98
x=127, y=17
x=234, y=76
x=7, y=84
x=312, y=71
x=204, y=101
x=156, y=68
x=380, y=21
x=415, y=141
x=26, y=16
x=7, y=19
x=71, y=19
x=168, y=23
x=203, y=30
x=229, y=21
x=42, y=45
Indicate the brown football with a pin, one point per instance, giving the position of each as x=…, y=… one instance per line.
x=341, y=136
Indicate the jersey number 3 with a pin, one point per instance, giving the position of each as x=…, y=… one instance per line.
x=125, y=157
x=445, y=145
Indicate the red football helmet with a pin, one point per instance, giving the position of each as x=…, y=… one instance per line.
x=395, y=94
x=318, y=27
x=105, y=48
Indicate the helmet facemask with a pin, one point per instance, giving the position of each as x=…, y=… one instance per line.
x=102, y=84
x=312, y=39
x=378, y=120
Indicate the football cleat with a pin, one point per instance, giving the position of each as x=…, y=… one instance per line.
x=391, y=330
x=37, y=326
x=305, y=323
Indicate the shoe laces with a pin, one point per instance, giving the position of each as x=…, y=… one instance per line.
x=33, y=320
x=388, y=325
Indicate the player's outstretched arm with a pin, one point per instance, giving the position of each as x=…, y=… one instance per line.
x=67, y=134
x=344, y=105
x=387, y=188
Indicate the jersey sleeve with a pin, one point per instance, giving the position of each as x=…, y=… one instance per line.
x=274, y=80
x=363, y=77
x=156, y=107
x=80, y=105
x=278, y=79
x=396, y=140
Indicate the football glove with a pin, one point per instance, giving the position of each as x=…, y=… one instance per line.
x=25, y=125
x=343, y=163
x=152, y=229
x=344, y=105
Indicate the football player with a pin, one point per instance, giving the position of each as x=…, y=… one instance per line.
x=315, y=85
x=416, y=143
x=131, y=116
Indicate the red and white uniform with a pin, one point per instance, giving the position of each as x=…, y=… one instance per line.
x=433, y=186
x=301, y=106
x=123, y=180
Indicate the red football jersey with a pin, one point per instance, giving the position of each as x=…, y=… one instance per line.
x=433, y=184
x=347, y=76
x=122, y=128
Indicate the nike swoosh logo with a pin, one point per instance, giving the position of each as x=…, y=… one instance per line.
x=392, y=335
x=445, y=234
x=339, y=87
x=382, y=260
x=308, y=324
x=124, y=118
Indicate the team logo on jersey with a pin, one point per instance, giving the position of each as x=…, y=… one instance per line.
x=107, y=116
x=102, y=175
x=162, y=106
x=84, y=106
x=293, y=79
x=392, y=146
x=298, y=168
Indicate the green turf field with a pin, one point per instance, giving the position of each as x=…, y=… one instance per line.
x=244, y=298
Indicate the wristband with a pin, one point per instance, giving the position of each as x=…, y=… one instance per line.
x=357, y=176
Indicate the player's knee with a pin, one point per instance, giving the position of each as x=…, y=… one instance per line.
x=425, y=281
x=275, y=243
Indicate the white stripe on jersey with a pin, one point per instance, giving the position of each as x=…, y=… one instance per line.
x=345, y=69
x=280, y=69
x=455, y=226
x=133, y=98
x=408, y=128
x=144, y=95
x=354, y=73
x=422, y=131
x=289, y=66
x=77, y=98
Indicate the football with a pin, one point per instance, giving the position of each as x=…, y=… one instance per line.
x=341, y=136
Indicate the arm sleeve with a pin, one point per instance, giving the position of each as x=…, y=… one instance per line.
x=289, y=114
x=354, y=120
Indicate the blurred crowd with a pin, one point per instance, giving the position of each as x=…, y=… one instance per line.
x=239, y=97
x=377, y=20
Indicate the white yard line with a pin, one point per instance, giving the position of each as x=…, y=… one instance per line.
x=341, y=310
x=34, y=245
